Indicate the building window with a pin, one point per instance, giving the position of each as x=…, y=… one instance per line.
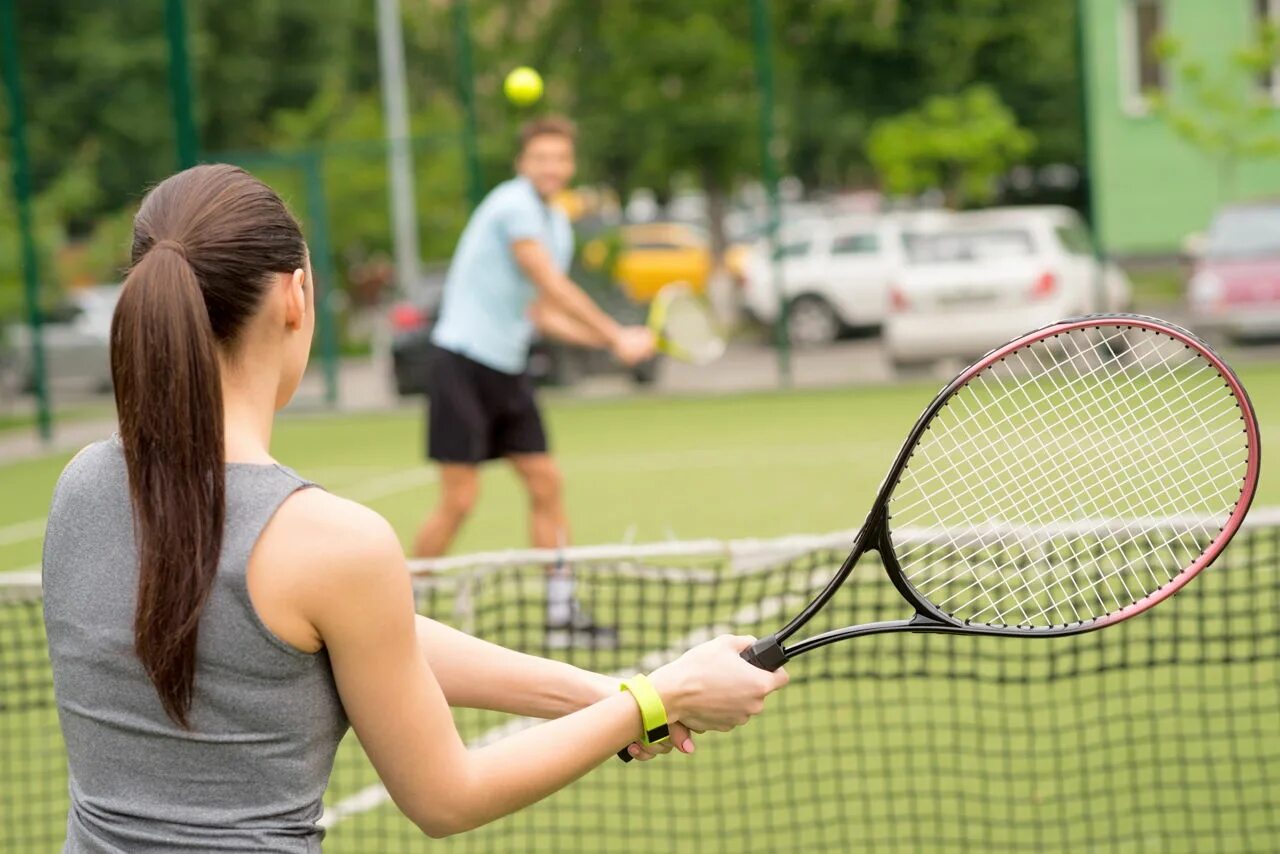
x=1266, y=13
x=1143, y=71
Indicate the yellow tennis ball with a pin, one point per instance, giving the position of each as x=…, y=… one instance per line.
x=523, y=86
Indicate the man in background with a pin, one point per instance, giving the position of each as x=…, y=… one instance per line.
x=508, y=278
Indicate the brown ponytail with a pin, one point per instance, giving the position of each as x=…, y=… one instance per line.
x=206, y=242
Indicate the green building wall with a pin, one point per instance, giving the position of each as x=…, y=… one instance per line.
x=1150, y=188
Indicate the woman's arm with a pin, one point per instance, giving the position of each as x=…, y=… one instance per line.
x=476, y=674
x=359, y=599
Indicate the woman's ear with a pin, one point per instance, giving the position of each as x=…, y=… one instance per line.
x=295, y=306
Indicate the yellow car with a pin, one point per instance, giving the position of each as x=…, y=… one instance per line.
x=654, y=254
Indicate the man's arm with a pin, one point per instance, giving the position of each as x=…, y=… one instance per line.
x=558, y=290
x=550, y=320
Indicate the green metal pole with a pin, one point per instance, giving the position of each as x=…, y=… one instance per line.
x=322, y=269
x=762, y=28
x=1087, y=173
x=467, y=94
x=180, y=84
x=22, y=195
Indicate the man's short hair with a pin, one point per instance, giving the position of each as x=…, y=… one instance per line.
x=547, y=126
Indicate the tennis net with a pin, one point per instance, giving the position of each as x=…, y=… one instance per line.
x=1161, y=734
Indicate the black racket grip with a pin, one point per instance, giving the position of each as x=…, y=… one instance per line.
x=766, y=653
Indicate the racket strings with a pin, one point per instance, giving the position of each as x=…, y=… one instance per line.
x=689, y=326
x=1147, y=444
x=1101, y=580
x=983, y=445
x=1051, y=475
x=1030, y=582
x=977, y=439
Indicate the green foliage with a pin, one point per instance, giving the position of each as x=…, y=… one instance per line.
x=347, y=128
x=68, y=192
x=1224, y=111
x=848, y=63
x=664, y=92
x=960, y=143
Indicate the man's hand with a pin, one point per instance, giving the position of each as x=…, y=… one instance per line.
x=634, y=344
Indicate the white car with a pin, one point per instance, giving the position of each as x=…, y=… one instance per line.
x=975, y=280
x=835, y=274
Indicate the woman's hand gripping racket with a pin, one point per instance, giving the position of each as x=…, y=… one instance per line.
x=1067, y=481
x=683, y=325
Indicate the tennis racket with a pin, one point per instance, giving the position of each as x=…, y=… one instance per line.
x=683, y=324
x=1065, y=482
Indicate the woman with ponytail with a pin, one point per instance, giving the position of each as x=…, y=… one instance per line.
x=216, y=622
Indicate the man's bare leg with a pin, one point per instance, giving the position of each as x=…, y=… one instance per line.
x=459, y=487
x=548, y=523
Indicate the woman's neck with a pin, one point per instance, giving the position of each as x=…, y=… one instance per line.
x=248, y=408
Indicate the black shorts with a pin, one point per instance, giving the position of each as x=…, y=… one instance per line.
x=476, y=413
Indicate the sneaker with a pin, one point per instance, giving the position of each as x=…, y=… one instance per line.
x=580, y=632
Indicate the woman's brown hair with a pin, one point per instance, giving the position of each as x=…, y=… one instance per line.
x=206, y=243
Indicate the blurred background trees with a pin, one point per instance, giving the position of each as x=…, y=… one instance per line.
x=664, y=92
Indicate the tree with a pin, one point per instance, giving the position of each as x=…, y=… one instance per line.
x=663, y=91
x=1227, y=115
x=960, y=144
x=845, y=64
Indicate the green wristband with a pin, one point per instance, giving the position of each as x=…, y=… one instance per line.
x=653, y=715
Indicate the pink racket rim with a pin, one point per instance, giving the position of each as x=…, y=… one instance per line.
x=1247, y=414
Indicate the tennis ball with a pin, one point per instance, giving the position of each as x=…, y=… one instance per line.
x=523, y=86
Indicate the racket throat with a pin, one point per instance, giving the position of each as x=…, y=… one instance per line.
x=766, y=653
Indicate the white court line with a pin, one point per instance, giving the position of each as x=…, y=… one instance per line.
x=377, y=488
x=373, y=796
x=21, y=532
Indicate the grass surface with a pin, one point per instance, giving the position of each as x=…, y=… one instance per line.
x=12, y=423
x=1167, y=740
x=639, y=469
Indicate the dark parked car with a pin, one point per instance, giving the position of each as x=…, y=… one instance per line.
x=550, y=362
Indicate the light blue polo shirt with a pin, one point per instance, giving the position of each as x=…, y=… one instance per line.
x=484, y=313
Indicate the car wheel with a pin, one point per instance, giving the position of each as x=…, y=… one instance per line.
x=812, y=322
x=645, y=373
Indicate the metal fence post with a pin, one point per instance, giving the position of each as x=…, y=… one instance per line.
x=22, y=198
x=761, y=26
x=184, y=123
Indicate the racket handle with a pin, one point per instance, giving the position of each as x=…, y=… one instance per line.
x=766, y=653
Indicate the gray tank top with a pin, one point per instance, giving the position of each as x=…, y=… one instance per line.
x=266, y=717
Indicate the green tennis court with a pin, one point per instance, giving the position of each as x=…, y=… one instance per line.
x=893, y=743
x=640, y=469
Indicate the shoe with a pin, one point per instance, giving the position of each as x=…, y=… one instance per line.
x=580, y=632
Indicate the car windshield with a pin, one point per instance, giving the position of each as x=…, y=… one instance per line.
x=949, y=247
x=1245, y=233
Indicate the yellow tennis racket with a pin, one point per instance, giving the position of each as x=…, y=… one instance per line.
x=684, y=326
